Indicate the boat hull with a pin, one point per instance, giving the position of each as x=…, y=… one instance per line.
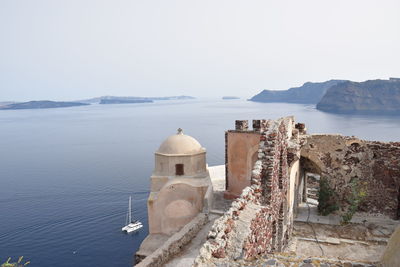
x=132, y=227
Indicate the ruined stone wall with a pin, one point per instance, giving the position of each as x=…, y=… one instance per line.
x=383, y=191
x=347, y=162
x=257, y=222
x=274, y=188
x=260, y=220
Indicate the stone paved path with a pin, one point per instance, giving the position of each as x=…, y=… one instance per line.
x=188, y=255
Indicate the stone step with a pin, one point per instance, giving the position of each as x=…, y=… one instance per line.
x=313, y=189
x=217, y=212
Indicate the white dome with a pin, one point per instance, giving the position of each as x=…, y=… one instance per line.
x=180, y=144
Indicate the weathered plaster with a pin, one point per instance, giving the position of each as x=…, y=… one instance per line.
x=242, y=151
x=175, y=199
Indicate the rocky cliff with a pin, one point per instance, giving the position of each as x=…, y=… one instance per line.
x=369, y=97
x=308, y=93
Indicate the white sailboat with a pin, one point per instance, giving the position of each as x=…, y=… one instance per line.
x=131, y=226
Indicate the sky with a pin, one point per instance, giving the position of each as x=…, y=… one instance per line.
x=76, y=49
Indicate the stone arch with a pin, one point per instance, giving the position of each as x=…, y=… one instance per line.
x=311, y=160
x=308, y=167
x=354, y=142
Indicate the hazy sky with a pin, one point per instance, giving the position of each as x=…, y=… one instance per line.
x=72, y=49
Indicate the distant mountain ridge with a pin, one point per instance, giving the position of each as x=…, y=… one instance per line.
x=369, y=97
x=308, y=93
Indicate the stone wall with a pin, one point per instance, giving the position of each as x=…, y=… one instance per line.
x=174, y=244
x=383, y=190
x=260, y=220
x=371, y=168
x=257, y=222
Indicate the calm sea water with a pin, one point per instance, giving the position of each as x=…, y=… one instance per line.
x=66, y=174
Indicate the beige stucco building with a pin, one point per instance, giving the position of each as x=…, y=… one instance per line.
x=180, y=184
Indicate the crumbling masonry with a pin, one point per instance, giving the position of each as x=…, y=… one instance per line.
x=345, y=162
x=260, y=220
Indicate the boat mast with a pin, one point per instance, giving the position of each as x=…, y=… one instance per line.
x=130, y=215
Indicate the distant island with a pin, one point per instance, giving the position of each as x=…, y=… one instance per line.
x=124, y=101
x=308, y=93
x=377, y=97
x=6, y=103
x=369, y=97
x=230, y=97
x=97, y=100
x=41, y=105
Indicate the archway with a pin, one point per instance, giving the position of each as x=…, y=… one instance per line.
x=309, y=183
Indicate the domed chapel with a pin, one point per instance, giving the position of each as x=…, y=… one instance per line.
x=180, y=184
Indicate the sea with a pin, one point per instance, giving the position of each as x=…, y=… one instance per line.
x=66, y=174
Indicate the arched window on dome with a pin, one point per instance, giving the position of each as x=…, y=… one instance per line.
x=179, y=169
